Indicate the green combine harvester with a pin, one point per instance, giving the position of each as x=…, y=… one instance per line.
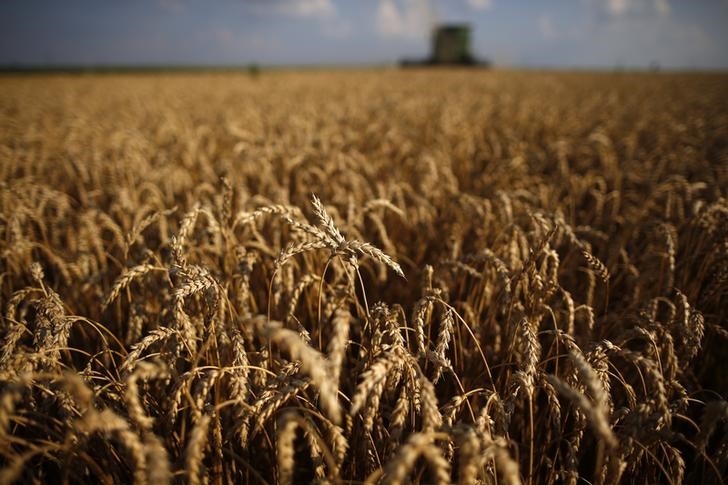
x=450, y=47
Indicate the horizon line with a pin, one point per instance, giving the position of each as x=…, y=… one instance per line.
x=121, y=67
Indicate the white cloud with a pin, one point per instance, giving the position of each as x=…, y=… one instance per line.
x=306, y=8
x=480, y=4
x=324, y=12
x=546, y=26
x=619, y=8
x=409, y=18
x=662, y=7
x=389, y=21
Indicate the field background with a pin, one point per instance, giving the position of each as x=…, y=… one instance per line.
x=178, y=306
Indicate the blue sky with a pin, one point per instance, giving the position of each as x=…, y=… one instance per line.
x=535, y=33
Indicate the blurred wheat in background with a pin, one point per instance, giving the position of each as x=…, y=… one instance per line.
x=383, y=276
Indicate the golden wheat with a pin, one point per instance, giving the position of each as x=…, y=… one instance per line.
x=425, y=276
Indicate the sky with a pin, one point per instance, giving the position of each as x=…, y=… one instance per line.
x=690, y=34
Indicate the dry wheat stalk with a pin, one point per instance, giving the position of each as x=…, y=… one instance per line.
x=268, y=405
x=596, y=265
x=470, y=456
x=444, y=336
x=338, y=343
x=376, y=254
x=418, y=444
x=157, y=460
x=245, y=218
x=108, y=422
x=595, y=414
x=285, y=436
x=239, y=383
x=195, y=451
x=431, y=417
x=142, y=370
x=399, y=414
x=313, y=363
x=326, y=222
x=371, y=379
x=123, y=281
x=157, y=335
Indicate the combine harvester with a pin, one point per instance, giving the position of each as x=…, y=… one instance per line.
x=450, y=47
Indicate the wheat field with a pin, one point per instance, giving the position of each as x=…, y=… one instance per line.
x=375, y=276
